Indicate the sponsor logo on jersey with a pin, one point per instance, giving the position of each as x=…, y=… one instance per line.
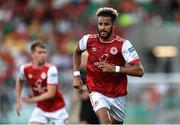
x=113, y=50
x=134, y=55
x=104, y=58
x=131, y=49
x=38, y=87
x=54, y=75
x=43, y=75
x=94, y=49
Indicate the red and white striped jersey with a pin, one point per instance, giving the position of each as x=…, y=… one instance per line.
x=117, y=51
x=38, y=79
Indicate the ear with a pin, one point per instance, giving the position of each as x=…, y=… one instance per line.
x=113, y=25
x=32, y=54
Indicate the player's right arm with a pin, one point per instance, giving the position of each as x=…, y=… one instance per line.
x=77, y=82
x=19, y=86
x=82, y=45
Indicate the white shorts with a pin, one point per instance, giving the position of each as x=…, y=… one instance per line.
x=57, y=117
x=116, y=105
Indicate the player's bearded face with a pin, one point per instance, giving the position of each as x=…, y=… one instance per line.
x=105, y=34
x=105, y=27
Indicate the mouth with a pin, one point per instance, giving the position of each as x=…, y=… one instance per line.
x=103, y=31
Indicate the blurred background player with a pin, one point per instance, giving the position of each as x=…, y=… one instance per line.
x=86, y=113
x=43, y=79
x=106, y=71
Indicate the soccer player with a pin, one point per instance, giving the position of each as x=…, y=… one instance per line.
x=106, y=77
x=43, y=79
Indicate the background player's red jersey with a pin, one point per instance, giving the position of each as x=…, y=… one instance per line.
x=117, y=51
x=38, y=79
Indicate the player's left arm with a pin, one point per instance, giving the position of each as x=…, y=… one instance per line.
x=130, y=55
x=50, y=93
x=134, y=69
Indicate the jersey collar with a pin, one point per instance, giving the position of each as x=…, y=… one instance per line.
x=108, y=41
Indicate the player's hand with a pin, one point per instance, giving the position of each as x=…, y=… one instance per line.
x=27, y=100
x=18, y=107
x=77, y=83
x=105, y=67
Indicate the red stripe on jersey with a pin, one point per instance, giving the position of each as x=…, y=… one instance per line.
x=136, y=60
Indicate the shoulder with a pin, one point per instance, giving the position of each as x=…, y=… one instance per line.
x=93, y=35
x=51, y=67
x=119, y=39
x=52, y=71
x=25, y=68
x=90, y=36
x=27, y=65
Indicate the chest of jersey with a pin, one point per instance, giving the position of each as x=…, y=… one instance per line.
x=37, y=78
x=104, y=52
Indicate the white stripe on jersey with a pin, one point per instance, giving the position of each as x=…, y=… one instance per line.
x=52, y=75
x=83, y=42
x=21, y=75
x=128, y=52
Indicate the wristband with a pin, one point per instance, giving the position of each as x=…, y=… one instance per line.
x=117, y=68
x=76, y=73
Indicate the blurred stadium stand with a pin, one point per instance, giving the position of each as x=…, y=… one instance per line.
x=148, y=24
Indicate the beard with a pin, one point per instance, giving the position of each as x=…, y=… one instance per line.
x=108, y=33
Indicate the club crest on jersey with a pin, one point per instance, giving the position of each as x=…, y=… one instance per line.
x=30, y=76
x=113, y=50
x=43, y=75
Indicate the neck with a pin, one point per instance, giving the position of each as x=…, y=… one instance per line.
x=37, y=64
x=107, y=40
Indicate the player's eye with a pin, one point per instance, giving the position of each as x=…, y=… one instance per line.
x=106, y=24
x=100, y=24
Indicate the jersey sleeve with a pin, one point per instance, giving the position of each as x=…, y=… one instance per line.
x=52, y=75
x=129, y=53
x=83, y=42
x=21, y=75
